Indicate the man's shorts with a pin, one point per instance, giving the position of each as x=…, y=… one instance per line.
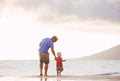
x=44, y=58
x=59, y=68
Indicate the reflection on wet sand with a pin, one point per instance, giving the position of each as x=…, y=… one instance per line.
x=81, y=78
x=43, y=78
x=48, y=79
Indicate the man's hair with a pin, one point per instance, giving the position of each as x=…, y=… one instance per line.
x=55, y=37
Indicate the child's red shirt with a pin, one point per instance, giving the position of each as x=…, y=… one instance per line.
x=59, y=62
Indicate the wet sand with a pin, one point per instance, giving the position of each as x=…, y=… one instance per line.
x=62, y=78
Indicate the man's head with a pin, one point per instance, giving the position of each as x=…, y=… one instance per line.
x=54, y=38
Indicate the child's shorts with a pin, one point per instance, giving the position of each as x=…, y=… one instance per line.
x=59, y=68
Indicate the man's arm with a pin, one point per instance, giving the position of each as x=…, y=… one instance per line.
x=40, y=44
x=53, y=52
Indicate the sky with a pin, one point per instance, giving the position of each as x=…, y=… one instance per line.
x=84, y=27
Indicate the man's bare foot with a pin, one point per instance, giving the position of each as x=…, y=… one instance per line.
x=41, y=75
x=45, y=75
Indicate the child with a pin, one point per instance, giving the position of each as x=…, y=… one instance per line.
x=59, y=65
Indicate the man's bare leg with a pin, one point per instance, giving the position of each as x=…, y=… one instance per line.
x=46, y=69
x=41, y=67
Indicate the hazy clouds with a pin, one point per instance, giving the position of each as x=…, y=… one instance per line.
x=77, y=11
x=54, y=10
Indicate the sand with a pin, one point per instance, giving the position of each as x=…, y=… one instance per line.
x=62, y=78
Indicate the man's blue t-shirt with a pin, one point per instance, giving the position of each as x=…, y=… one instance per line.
x=45, y=45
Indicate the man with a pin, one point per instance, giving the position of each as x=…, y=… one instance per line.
x=44, y=46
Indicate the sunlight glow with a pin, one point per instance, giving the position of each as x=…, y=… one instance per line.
x=21, y=34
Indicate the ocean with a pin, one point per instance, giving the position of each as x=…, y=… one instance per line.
x=74, y=67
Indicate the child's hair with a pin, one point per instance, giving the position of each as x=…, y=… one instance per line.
x=58, y=54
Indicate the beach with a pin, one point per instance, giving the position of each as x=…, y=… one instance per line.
x=62, y=78
x=74, y=70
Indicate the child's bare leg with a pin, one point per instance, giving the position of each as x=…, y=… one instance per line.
x=60, y=73
x=57, y=73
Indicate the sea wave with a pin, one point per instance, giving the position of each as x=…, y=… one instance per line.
x=111, y=73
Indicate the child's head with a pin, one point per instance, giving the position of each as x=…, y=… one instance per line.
x=58, y=54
